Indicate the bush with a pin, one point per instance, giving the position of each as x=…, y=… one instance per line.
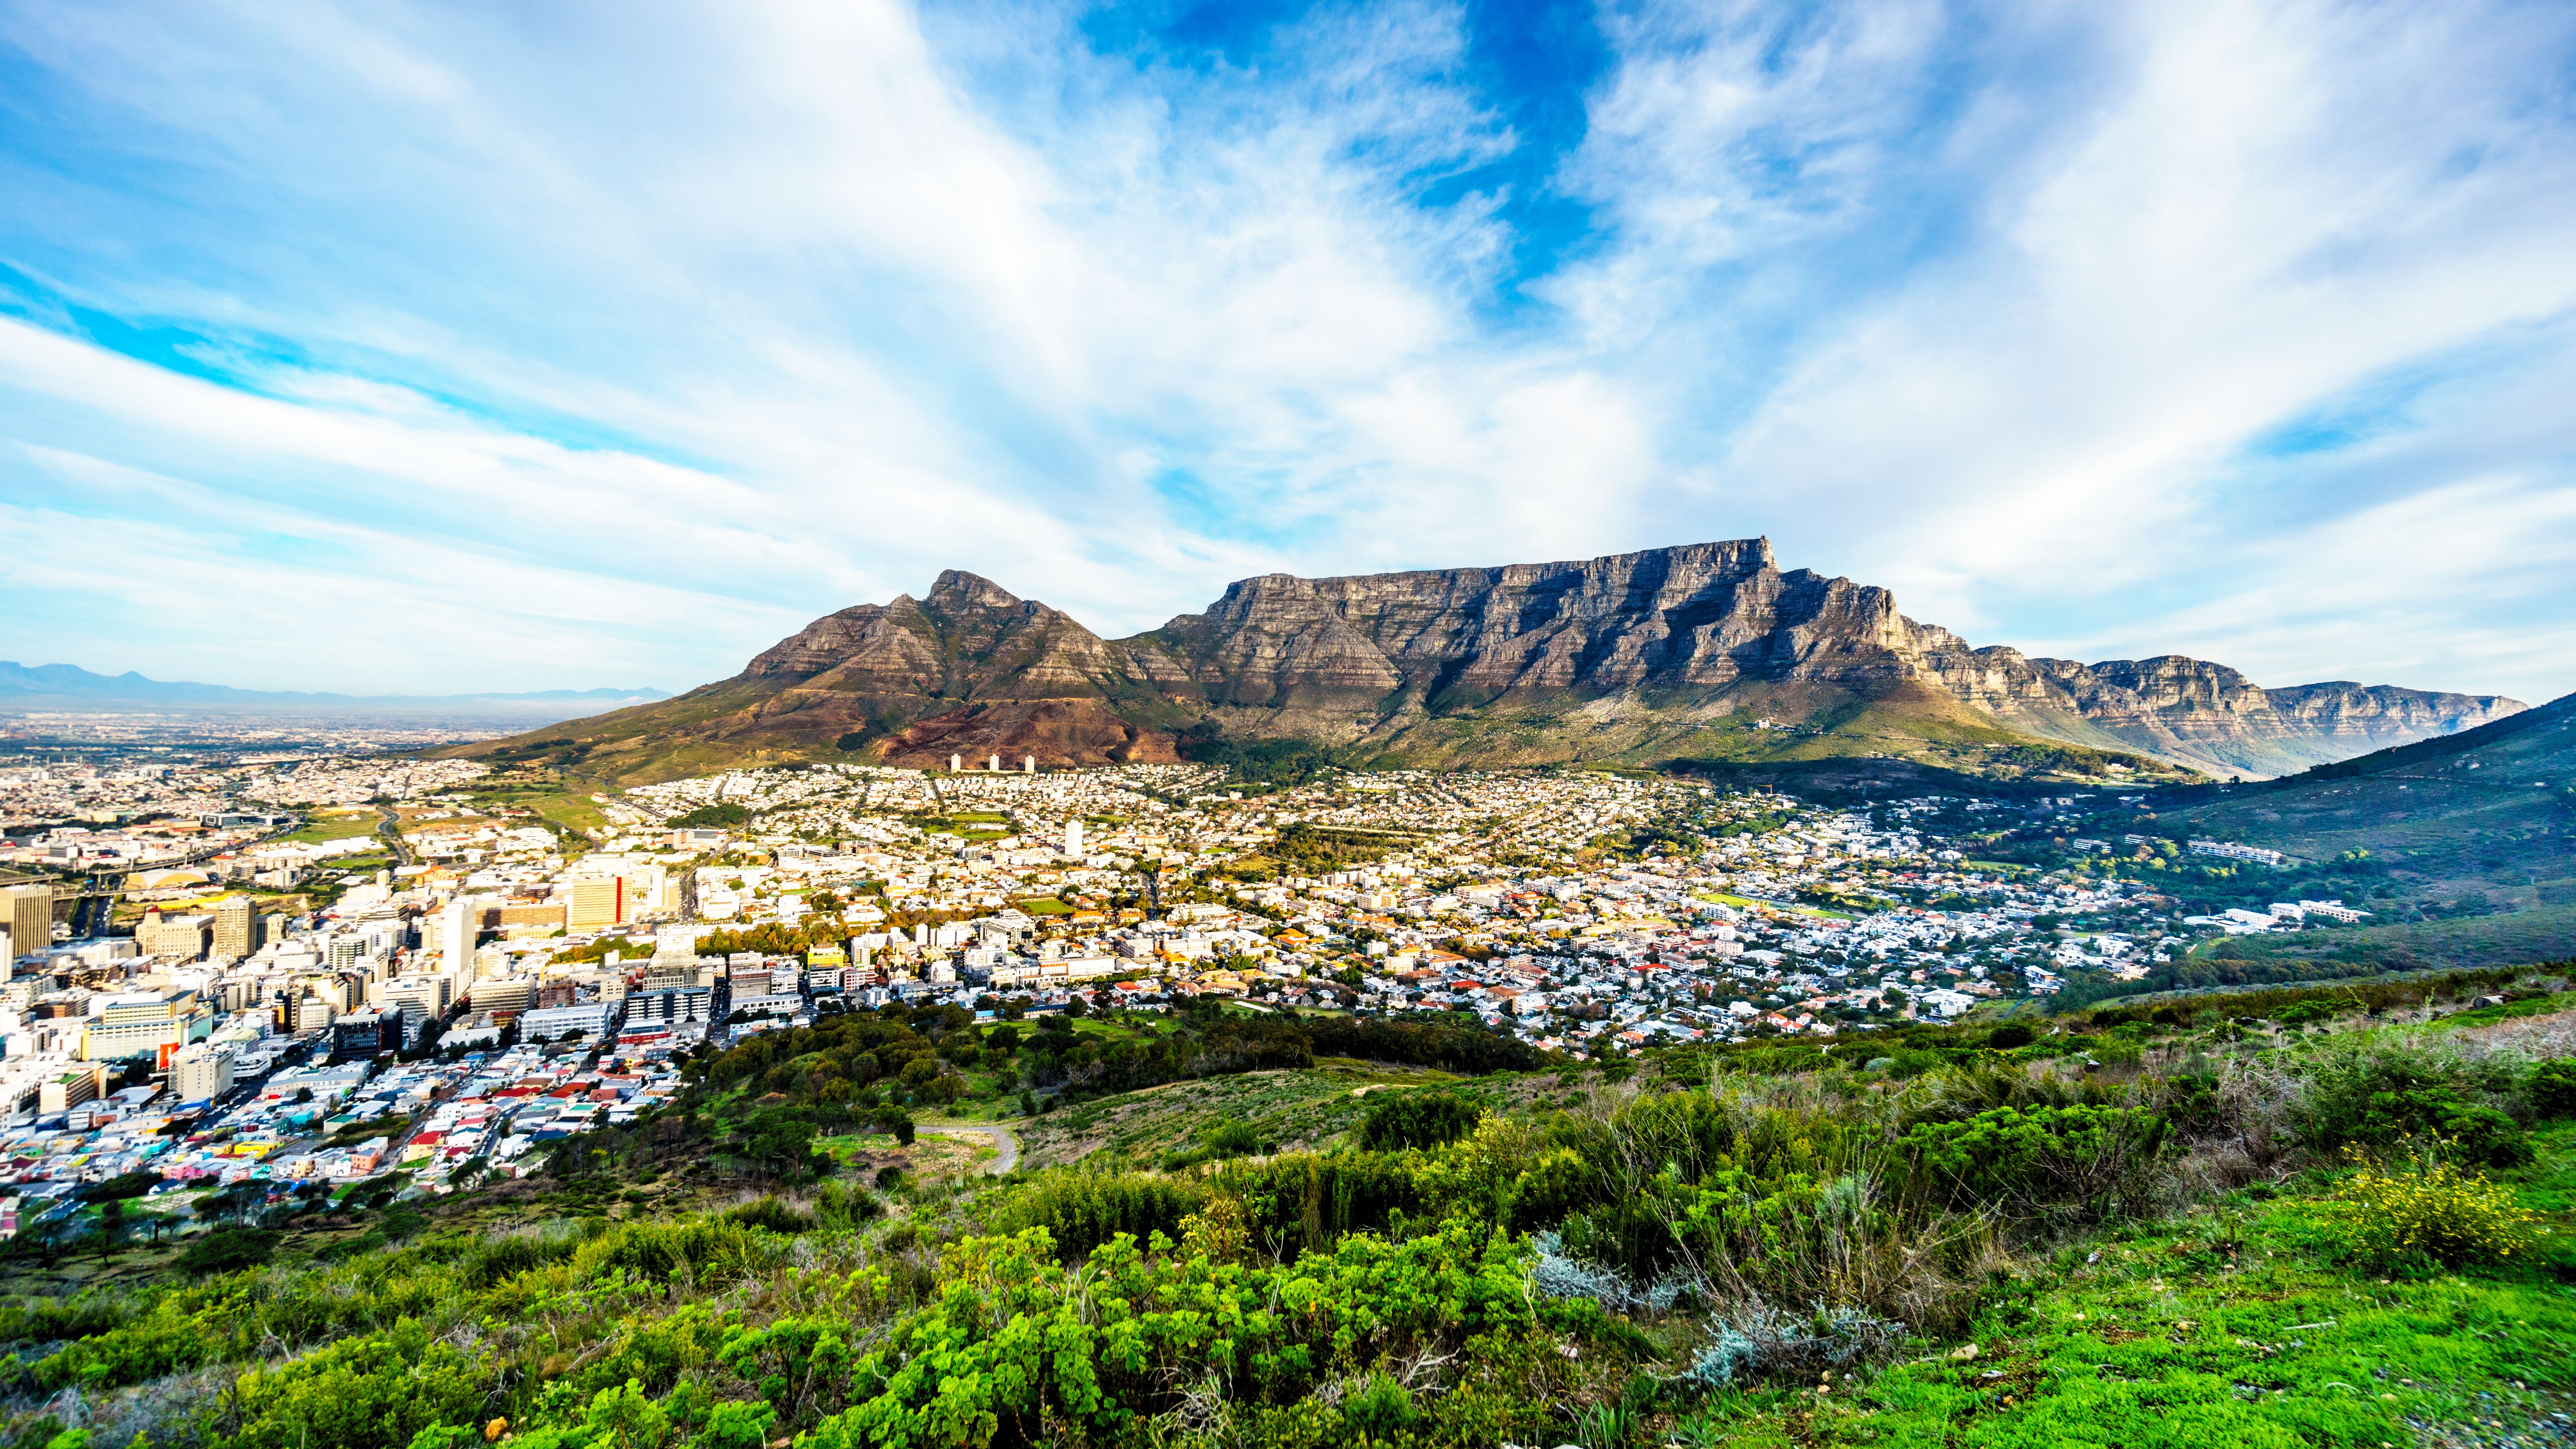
x=1235, y=1139
x=2378, y=1097
x=2420, y=1204
x=1416, y=1119
x=776, y=1216
x=2091, y=1160
x=2553, y=1089
x=2011, y=1035
x=1083, y=1210
x=227, y=1250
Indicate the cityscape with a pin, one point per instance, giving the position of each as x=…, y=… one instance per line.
x=318, y=967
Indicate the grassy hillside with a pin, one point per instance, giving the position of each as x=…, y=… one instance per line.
x=1758, y=723
x=2474, y=834
x=2350, y=1222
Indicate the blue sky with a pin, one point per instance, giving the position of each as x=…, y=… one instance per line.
x=456, y=347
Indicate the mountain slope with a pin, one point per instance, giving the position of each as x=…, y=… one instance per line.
x=970, y=669
x=2491, y=810
x=1704, y=652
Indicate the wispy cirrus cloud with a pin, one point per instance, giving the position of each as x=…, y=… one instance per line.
x=2097, y=329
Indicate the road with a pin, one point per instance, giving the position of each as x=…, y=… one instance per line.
x=1004, y=1143
x=391, y=830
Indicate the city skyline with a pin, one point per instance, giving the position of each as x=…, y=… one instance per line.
x=439, y=350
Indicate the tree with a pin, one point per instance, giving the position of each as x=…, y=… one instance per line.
x=123, y=1185
x=227, y=1250
x=779, y=1142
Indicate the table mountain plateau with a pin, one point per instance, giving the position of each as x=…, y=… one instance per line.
x=1699, y=652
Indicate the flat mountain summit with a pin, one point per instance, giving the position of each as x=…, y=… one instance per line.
x=1703, y=651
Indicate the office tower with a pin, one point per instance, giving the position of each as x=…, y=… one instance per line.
x=456, y=937
x=27, y=914
x=593, y=903
x=238, y=930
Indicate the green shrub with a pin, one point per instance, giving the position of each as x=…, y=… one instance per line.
x=776, y=1216
x=2553, y=1088
x=1082, y=1210
x=2010, y=1035
x=1017, y=1346
x=1303, y=1201
x=1416, y=1119
x=2086, y=1161
x=2380, y=1095
x=228, y=1250
x=1235, y=1138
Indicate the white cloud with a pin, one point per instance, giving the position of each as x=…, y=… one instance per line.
x=744, y=314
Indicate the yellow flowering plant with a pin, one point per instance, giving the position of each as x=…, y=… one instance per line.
x=2417, y=1201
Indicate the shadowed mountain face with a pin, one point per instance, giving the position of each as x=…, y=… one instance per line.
x=1706, y=651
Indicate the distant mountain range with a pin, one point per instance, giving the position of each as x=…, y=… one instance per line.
x=1704, y=652
x=66, y=686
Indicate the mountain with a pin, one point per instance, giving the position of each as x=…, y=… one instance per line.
x=2493, y=806
x=1700, y=652
x=69, y=687
x=2193, y=712
x=2474, y=835
x=969, y=669
x=1661, y=650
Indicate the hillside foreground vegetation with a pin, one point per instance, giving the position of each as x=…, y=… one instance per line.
x=2332, y=1216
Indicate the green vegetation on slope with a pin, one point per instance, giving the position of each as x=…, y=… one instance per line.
x=2140, y=1226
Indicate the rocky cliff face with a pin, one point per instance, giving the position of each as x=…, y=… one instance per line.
x=1702, y=616
x=2194, y=712
x=1703, y=651
x=958, y=673
x=1683, y=632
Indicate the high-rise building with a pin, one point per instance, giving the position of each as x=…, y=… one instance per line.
x=27, y=913
x=238, y=930
x=506, y=995
x=183, y=937
x=594, y=902
x=456, y=936
x=1073, y=837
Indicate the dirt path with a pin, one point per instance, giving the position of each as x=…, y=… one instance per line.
x=1005, y=1143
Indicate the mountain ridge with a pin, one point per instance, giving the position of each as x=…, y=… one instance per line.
x=1690, y=653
